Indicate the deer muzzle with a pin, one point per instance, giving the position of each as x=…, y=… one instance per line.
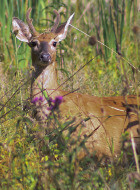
x=45, y=57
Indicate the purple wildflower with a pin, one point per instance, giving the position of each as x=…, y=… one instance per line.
x=35, y=100
x=41, y=98
x=54, y=104
x=58, y=100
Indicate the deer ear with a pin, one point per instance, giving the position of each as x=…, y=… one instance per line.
x=62, y=30
x=21, y=30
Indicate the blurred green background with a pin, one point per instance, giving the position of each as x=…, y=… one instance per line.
x=115, y=23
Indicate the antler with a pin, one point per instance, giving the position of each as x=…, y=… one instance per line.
x=56, y=22
x=29, y=21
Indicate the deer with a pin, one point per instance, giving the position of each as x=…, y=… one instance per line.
x=109, y=117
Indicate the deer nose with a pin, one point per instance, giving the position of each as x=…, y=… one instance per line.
x=45, y=57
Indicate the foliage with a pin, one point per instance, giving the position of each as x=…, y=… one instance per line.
x=30, y=160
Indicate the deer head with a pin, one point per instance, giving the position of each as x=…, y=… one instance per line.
x=43, y=46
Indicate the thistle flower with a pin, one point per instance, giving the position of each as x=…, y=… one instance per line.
x=54, y=104
x=36, y=99
x=41, y=99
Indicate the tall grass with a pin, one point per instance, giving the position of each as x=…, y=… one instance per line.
x=30, y=161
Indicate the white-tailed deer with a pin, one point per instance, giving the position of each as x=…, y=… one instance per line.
x=109, y=116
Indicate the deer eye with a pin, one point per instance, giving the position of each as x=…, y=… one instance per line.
x=33, y=43
x=54, y=44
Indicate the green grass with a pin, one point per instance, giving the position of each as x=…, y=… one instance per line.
x=30, y=161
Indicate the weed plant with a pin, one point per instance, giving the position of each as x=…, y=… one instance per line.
x=30, y=160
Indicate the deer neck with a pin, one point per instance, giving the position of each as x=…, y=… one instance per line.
x=43, y=79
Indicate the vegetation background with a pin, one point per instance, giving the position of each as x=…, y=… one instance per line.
x=26, y=163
